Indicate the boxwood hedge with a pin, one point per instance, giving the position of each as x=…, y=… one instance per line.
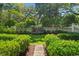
x=15, y=46
x=71, y=36
x=58, y=47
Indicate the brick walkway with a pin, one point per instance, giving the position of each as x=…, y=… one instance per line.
x=30, y=50
x=37, y=50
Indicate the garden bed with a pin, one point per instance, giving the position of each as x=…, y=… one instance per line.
x=14, y=45
x=59, y=47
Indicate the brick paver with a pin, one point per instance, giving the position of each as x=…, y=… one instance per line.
x=36, y=50
x=39, y=50
x=30, y=50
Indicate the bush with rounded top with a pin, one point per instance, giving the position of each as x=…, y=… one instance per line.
x=15, y=46
x=71, y=36
x=58, y=47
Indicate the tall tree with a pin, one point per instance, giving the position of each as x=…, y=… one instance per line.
x=52, y=13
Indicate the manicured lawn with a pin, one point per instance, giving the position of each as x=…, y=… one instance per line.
x=37, y=38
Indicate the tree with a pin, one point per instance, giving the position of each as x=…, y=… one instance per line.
x=68, y=19
x=51, y=14
x=29, y=22
x=10, y=23
x=11, y=11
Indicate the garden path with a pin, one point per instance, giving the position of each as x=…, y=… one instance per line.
x=36, y=50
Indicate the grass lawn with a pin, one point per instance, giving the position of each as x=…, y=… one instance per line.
x=37, y=38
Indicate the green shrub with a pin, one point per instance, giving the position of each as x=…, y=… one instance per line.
x=4, y=29
x=23, y=40
x=69, y=36
x=9, y=48
x=50, y=37
x=14, y=47
x=36, y=38
x=58, y=47
x=7, y=36
x=9, y=31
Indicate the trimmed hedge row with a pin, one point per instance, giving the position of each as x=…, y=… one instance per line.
x=58, y=47
x=7, y=36
x=69, y=36
x=7, y=30
x=14, y=47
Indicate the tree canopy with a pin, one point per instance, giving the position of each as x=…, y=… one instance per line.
x=42, y=15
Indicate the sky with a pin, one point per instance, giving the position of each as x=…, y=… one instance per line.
x=30, y=4
x=33, y=5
